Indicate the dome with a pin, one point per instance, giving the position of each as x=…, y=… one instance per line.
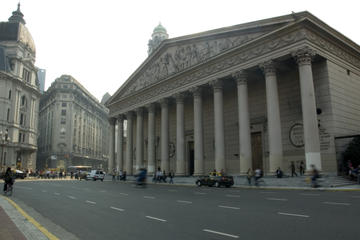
x=159, y=29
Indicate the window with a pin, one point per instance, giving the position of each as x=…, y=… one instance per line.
x=20, y=135
x=23, y=137
x=26, y=75
x=9, y=94
x=21, y=119
x=8, y=114
x=63, y=112
x=23, y=101
x=63, y=104
x=63, y=121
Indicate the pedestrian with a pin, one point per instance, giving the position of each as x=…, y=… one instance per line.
x=164, y=176
x=302, y=168
x=292, y=167
x=258, y=175
x=71, y=175
x=249, y=175
x=113, y=174
x=314, y=176
x=279, y=173
x=159, y=175
x=119, y=175
x=171, y=176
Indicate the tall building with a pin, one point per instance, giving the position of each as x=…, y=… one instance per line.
x=41, y=76
x=73, y=127
x=19, y=95
x=255, y=95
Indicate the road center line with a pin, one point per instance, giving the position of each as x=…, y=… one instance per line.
x=220, y=233
x=200, y=193
x=27, y=188
x=72, y=197
x=230, y=195
x=228, y=207
x=43, y=190
x=154, y=218
x=294, y=215
x=117, y=209
x=91, y=202
x=125, y=194
x=149, y=197
x=182, y=201
x=277, y=199
x=337, y=203
x=309, y=194
x=56, y=193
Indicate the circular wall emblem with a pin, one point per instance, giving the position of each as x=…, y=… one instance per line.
x=296, y=135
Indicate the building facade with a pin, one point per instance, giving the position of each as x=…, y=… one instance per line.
x=41, y=76
x=73, y=127
x=256, y=95
x=19, y=95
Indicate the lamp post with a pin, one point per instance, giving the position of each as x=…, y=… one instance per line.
x=4, y=140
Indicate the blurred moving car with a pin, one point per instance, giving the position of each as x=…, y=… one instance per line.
x=16, y=174
x=95, y=175
x=216, y=181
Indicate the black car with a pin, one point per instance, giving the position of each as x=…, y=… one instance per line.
x=216, y=181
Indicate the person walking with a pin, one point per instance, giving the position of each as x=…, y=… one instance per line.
x=8, y=179
x=171, y=176
x=249, y=175
x=293, y=171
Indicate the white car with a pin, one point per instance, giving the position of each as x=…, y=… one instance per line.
x=95, y=175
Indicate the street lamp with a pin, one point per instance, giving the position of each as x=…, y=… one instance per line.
x=4, y=140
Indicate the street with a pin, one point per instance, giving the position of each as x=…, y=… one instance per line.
x=114, y=210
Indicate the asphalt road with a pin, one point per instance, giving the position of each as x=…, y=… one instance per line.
x=107, y=210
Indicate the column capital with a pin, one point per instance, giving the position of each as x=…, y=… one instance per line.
x=196, y=91
x=240, y=77
x=179, y=97
x=150, y=107
x=139, y=110
x=120, y=117
x=216, y=84
x=112, y=120
x=164, y=102
x=268, y=68
x=304, y=56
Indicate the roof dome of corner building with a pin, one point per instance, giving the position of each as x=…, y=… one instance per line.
x=15, y=30
x=160, y=29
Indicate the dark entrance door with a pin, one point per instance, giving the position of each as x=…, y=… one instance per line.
x=256, y=145
x=191, y=157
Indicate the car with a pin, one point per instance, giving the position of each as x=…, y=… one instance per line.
x=20, y=174
x=95, y=175
x=216, y=181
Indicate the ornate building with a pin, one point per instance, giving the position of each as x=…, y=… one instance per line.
x=256, y=95
x=73, y=127
x=19, y=95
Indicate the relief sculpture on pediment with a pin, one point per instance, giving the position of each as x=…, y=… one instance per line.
x=177, y=59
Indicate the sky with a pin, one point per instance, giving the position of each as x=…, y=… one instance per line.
x=101, y=43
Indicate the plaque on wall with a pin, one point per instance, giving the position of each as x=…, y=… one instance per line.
x=296, y=135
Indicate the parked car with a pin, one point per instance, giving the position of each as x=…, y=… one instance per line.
x=216, y=181
x=95, y=175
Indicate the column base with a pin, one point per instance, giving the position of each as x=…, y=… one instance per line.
x=313, y=158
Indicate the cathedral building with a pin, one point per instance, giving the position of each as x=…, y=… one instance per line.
x=19, y=95
x=262, y=95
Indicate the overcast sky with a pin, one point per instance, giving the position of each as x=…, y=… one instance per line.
x=101, y=43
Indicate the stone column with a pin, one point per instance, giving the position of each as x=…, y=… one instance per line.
x=112, y=145
x=139, y=139
x=151, y=138
x=180, y=135
x=273, y=117
x=120, y=143
x=308, y=105
x=219, y=125
x=245, y=153
x=164, y=135
x=129, y=143
x=198, y=133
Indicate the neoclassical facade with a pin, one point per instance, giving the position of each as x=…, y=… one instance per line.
x=19, y=95
x=256, y=95
x=73, y=127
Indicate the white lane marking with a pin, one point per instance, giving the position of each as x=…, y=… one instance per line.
x=56, y=193
x=149, y=197
x=72, y=197
x=117, y=209
x=309, y=194
x=27, y=188
x=236, y=208
x=43, y=190
x=230, y=195
x=183, y=201
x=200, y=193
x=220, y=233
x=91, y=202
x=103, y=191
x=337, y=203
x=294, y=215
x=125, y=194
x=266, y=192
x=154, y=218
x=277, y=199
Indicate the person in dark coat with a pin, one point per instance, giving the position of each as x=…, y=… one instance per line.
x=8, y=178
